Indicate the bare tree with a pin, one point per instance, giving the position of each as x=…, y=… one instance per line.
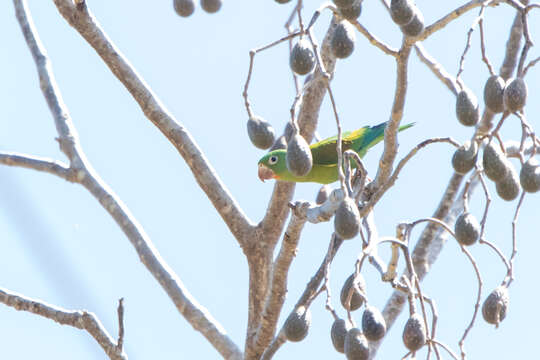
x=270, y=245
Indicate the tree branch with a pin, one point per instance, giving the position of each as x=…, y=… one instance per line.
x=193, y=312
x=436, y=68
x=50, y=166
x=80, y=18
x=80, y=319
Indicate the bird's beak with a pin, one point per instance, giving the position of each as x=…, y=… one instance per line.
x=265, y=173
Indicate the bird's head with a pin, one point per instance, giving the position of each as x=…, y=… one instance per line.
x=273, y=165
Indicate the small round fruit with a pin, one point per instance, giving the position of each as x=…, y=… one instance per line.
x=465, y=157
x=515, y=94
x=356, y=345
x=352, y=12
x=494, y=161
x=414, y=333
x=357, y=298
x=402, y=11
x=416, y=26
x=347, y=219
x=323, y=194
x=299, y=158
x=373, y=324
x=508, y=188
x=297, y=324
x=260, y=132
x=338, y=332
x=467, y=109
x=342, y=42
x=211, y=6
x=529, y=176
x=282, y=1
x=467, y=229
x=343, y=3
x=302, y=59
x=184, y=8
x=493, y=94
x=495, y=306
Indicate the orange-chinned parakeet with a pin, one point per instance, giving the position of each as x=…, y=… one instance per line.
x=324, y=171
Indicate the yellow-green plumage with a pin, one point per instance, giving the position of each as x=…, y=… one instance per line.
x=324, y=170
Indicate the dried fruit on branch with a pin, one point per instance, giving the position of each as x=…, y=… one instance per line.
x=302, y=59
x=347, y=219
x=356, y=345
x=467, y=229
x=414, y=333
x=495, y=306
x=342, y=42
x=299, y=158
x=260, y=132
x=297, y=324
x=465, y=157
x=357, y=298
x=373, y=324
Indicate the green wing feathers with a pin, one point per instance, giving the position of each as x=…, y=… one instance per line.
x=361, y=140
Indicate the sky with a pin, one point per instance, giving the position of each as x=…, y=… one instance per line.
x=60, y=246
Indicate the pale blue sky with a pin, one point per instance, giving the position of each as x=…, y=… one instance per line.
x=59, y=245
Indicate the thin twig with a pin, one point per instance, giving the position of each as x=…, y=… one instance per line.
x=436, y=68
x=80, y=319
x=50, y=166
x=120, y=342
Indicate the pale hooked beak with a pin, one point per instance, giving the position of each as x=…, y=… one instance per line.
x=265, y=173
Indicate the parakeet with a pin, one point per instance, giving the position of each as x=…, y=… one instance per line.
x=324, y=171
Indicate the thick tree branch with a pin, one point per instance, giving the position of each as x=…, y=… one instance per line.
x=80, y=319
x=50, y=166
x=193, y=312
x=80, y=18
x=278, y=284
x=271, y=227
x=390, y=133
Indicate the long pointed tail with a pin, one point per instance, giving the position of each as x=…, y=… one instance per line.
x=375, y=134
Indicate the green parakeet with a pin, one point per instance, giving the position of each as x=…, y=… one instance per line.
x=324, y=171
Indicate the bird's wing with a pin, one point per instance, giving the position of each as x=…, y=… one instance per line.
x=324, y=152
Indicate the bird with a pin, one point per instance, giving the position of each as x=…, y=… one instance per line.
x=273, y=165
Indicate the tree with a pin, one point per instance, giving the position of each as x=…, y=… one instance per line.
x=227, y=142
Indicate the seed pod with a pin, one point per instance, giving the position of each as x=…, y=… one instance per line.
x=280, y=143
x=373, y=324
x=416, y=26
x=260, y=132
x=465, y=157
x=414, y=333
x=184, y=8
x=211, y=6
x=529, y=176
x=467, y=229
x=357, y=298
x=356, y=345
x=338, y=333
x=323, y=194
x=494, y=161
x=402, y=11
x=297, y=324
x=347, y=219
x=493, y=93
x=515, y=94
x=495, y=306
x=343, y=3
x=508, y=188
x=352, y=12
x=342, y=42
x=467, y=109
x=302, y=59
x=299, y=158
x=282, y=1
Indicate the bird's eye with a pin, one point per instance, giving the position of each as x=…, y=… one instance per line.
x=272, y=160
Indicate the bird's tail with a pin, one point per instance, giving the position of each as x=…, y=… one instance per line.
x=375, y=134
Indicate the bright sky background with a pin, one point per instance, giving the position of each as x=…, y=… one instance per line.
x=59, y=245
